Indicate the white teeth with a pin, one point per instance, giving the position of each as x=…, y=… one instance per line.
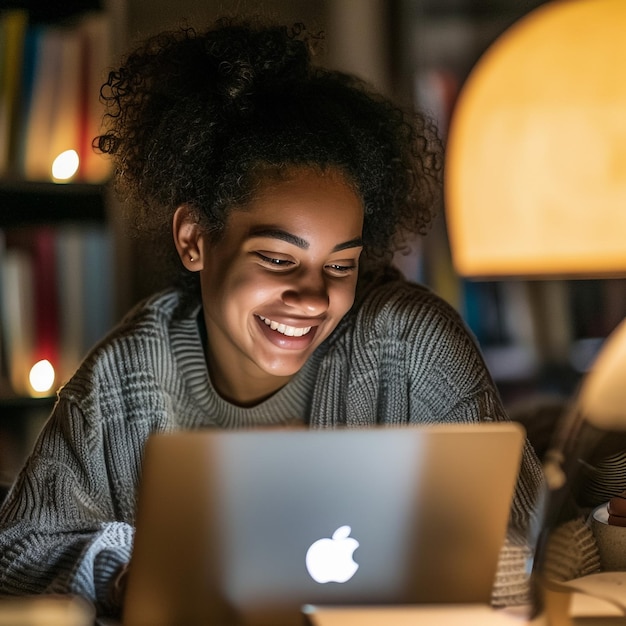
x=289, y=331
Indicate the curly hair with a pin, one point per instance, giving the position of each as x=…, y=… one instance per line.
x=200, y=118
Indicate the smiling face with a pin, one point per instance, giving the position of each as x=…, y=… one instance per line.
x=278, y=282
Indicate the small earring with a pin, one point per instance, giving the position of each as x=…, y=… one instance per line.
x=191, y=258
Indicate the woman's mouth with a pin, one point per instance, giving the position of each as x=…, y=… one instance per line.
x=288, y=331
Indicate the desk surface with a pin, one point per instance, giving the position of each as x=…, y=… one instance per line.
x=597, y=600
x=584, y=610
x=465, y=615
x=46, y=610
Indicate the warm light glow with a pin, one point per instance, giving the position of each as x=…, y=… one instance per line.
x=536, y=153
x=65, y=165
x=41, y=376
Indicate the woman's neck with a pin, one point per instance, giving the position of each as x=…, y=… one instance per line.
x=244, y=390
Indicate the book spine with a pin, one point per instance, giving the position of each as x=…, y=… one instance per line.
x=69, y=252
x=46, y=298
x=18, y=317
x=13, y=25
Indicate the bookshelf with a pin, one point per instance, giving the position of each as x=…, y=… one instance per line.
x=57, y=249
x=33, y=202
x=538, y=336
x=20, y=421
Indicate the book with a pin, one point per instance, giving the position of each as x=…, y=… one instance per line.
x=39, y=118
x=13, y=24
x=97, y=263
x=46, y=306
x=17, y=307
x=69, y=253
x=435, y=92
x=94, y=31
x=31, y=52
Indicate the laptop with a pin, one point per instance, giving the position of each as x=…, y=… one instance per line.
x=247, y=527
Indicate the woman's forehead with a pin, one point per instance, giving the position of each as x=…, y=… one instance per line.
x=266, y=176
x=298, y=202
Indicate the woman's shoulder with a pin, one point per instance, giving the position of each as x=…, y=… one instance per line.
x=133, y=370
x=159, y=309
x=399, y=329
x=396, y=302
x=408, y=317
x=145, y=332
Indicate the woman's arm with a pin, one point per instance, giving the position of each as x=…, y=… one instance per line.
x=63, y=526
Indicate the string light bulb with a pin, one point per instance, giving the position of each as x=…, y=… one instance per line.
x=65, y=166
x=41, y=377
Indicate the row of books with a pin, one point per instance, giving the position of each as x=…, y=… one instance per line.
x=56, y=299
x=528, y=328
x=50, y=79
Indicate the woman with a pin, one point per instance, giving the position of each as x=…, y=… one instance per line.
x=287, y=189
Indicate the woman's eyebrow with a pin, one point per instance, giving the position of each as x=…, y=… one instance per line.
x=283, y=235
x=353, y=243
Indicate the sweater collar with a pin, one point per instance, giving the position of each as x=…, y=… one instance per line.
x=290, y=403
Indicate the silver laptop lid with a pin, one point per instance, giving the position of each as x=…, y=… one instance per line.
x=248, y=526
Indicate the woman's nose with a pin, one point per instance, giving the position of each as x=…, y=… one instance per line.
x=310, y=296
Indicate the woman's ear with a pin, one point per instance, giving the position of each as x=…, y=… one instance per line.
x=187, y=233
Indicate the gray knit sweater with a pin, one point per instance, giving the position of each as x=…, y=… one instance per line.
x=401, y=355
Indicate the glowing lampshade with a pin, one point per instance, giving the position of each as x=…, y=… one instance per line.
x=536, y=158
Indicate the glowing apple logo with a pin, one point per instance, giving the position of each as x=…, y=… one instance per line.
x=330, y=560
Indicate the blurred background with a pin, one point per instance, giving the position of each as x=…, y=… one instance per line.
x=70, y=267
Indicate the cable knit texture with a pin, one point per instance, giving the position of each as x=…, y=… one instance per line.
x=401, y=355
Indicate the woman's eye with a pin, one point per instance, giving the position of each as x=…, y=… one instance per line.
x=341, y=269
x=274, y=261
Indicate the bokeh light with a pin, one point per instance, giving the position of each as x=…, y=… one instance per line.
x=41, y=376
x=65, y=165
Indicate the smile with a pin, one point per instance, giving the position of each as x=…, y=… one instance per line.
x=289, y=331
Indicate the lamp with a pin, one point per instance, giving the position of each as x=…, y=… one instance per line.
x=535, y=187
x=536, y=154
